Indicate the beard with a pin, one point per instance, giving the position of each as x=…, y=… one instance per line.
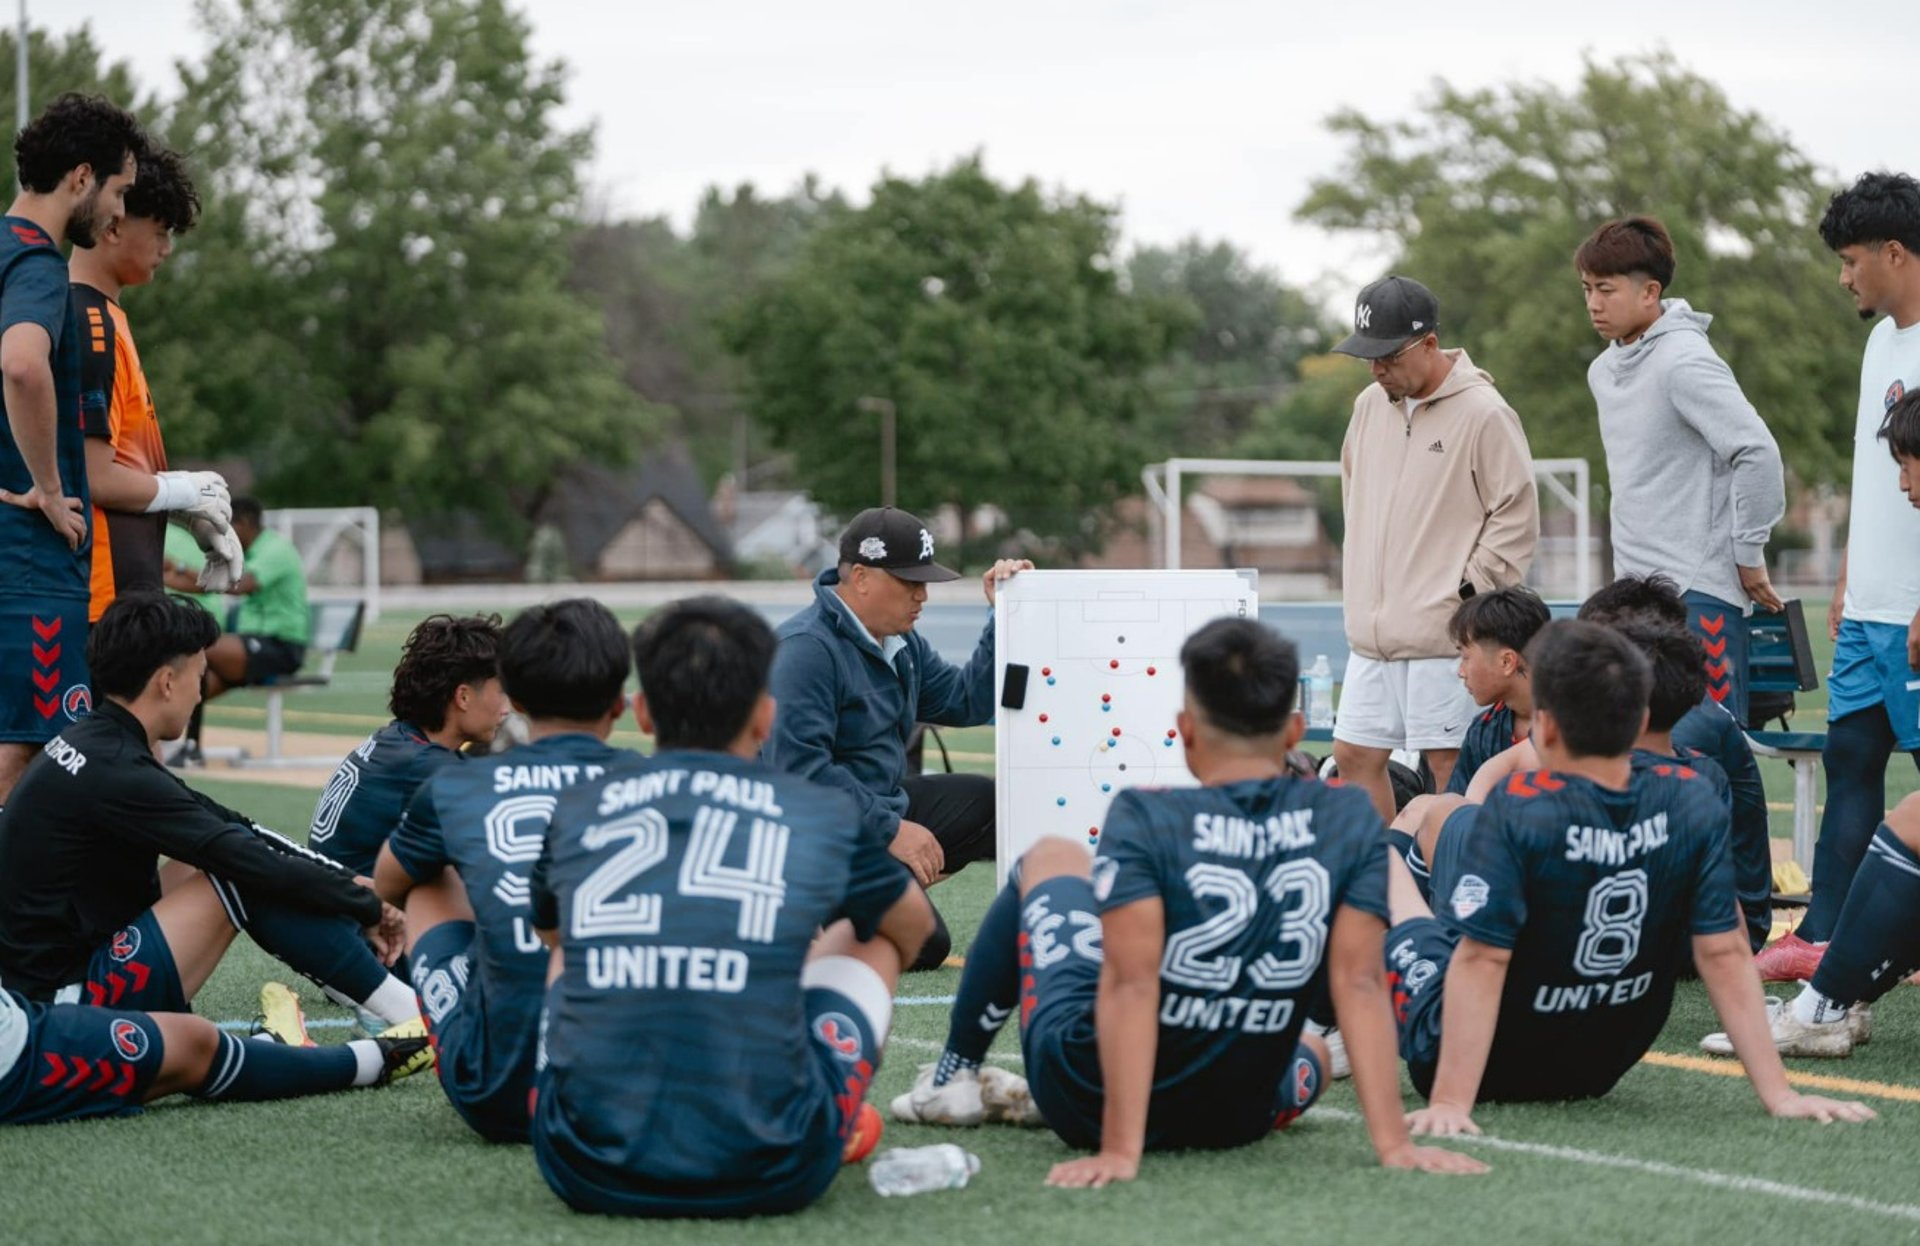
x=83, y=223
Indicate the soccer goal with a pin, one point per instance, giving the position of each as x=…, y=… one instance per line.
x=339, y=549
x=1283, y=516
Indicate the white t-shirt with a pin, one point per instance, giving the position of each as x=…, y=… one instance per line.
x=1883, y=529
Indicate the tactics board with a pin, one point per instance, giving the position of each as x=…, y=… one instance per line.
x=1102, y=656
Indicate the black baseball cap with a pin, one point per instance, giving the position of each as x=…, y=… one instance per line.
x=893, y=541
x=1388, y=314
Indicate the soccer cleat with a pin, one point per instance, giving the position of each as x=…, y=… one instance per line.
x=864, y=1136
x=1860, y=1023
x=959, y=1102
x=280, y=1016
x=1789, y=959
x=404, y=1056
x=1006, y=1099
x=1794, y=1037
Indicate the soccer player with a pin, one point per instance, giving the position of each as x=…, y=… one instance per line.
x=706, y=1052
x=133, y=492
x=460, y=859
x=75, y=162
x=445, y=696
x=1697, y=480
x=271, y=627
x=1491, y=631
x=1873, y=694
x=1222, y=911
x=86, y=912
x=1569, y=900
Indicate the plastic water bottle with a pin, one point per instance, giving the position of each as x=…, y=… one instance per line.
x=1320, y=693
x=915, y=1170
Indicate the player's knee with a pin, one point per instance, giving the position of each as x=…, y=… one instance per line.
x=1053, y=858
x=1415, y=812
x=190, y=1045
x=1904, y=820
x=1357, y=761
x=1433, y=821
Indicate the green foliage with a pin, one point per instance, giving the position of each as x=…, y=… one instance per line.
x=992, y=318
x=1489, y=192
x=57, y=64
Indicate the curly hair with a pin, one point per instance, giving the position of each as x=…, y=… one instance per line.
x=1878, y=207
x=75, y=130
x=163, y=191
x=442, y=653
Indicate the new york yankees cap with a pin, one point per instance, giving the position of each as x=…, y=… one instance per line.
x=893, y=541
x=1388, y=314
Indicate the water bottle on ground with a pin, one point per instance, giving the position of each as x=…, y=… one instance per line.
x=1320, y=693
x=915, y=1170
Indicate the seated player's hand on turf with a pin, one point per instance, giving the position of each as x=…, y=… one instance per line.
x=915, y=847
x=1433, y=1159
x=1090, y=1172
x=1441, y=1120
x=1005, y=569
x=1819, y=1108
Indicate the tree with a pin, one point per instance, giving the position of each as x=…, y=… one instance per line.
x=57, y=64
x=992, y=319
x=378, y=309
x=1487, y=194
x=1246, y=334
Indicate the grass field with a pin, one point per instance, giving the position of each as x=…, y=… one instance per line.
x=1680, y=1152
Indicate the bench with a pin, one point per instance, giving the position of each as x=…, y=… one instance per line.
x=1780, y=661
x=334, y=629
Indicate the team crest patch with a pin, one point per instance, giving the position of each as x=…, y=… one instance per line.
x=1895, y=392
x=836, y=1030
x=1421, y=972
x=926, y=545
x=1470, y=896
x=125, y=945
x=873, y=549
x=128, y=1038
x=77, y=702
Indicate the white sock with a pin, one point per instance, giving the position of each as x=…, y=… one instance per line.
x=1810, y=1007
x=372, y=1063
x=394, y=1002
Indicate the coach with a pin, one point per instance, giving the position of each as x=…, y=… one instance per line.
x=1437, y=482
x=850, y=680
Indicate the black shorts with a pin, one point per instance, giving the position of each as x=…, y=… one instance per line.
x=269, y=657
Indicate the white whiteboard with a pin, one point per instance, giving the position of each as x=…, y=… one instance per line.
x=1102, y=652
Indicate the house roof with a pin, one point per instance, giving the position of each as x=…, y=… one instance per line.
x=591, y=504
x=1257, y=491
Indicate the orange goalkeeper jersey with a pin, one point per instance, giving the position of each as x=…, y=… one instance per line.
x=128, y=548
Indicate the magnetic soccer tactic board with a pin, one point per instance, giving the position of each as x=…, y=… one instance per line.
x=1089, y=685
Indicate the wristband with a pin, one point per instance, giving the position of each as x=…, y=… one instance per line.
x=174, y=491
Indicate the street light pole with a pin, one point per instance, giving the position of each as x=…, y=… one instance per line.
x=888, y=414
x=20, y=71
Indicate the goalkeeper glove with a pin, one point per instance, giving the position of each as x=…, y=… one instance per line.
x=195, y=494
x=224, y=558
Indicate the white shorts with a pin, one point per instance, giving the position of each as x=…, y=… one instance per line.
x=1416, y=703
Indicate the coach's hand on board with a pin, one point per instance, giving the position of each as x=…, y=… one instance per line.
x=1441, y=1120
x=1432, y=1159
x=917, y=848
x=1005, y=569
x=1754, y=582
x=66, y=514
x=1090, y=1172
x=1819, y=1108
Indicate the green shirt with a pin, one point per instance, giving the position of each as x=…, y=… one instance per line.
x=184, y=551
x=278, y=608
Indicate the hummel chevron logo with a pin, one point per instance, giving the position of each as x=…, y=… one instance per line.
x=993, y=1017
x=514, y=891
x=1436, y=447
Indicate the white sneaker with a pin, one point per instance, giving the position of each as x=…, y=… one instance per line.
x=1860, y=1023
x=956, y=1103
x=1339, y=1067
x=1793, y=1037
x=1005, y=1097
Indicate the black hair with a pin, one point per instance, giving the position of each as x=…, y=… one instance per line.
x=163, y=191
x=1901, y=429
x=1243, y=676
x=1878, y=207
x=567, y=659
x=140, y=633
x=440, y=654
x=1507, y=617
x=1630, y=597
x=1679, y=669
x=1634, y=244
x=75, y=130
x=249, y=509
x=1593, y=682
x=703, y=664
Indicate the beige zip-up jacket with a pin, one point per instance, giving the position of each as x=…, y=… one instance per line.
x=1444, y=496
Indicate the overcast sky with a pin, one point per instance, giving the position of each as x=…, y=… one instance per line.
x=1199, y=117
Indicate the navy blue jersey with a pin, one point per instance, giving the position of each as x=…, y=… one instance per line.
x=369, y=791
x=1250, y=875
x=687, y=888
x=1489, y=735
x=1597, y=893
x=487, y=818
x=1706, y=767
x=33, y=290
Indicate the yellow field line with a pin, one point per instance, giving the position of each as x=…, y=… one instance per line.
x=1813, y=1081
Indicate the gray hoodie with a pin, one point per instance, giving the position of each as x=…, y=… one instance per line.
x=1696, y=476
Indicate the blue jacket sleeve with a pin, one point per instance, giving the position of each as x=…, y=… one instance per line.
x=956, y=696
x=805, y=721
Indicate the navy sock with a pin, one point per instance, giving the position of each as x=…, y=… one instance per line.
x=1876, y=942
x=329, y=950
x=1855, y=762
x=248, y=1070
x=989, y=986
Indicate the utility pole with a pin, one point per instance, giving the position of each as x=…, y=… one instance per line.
x=888, y=414
x=20, y=71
